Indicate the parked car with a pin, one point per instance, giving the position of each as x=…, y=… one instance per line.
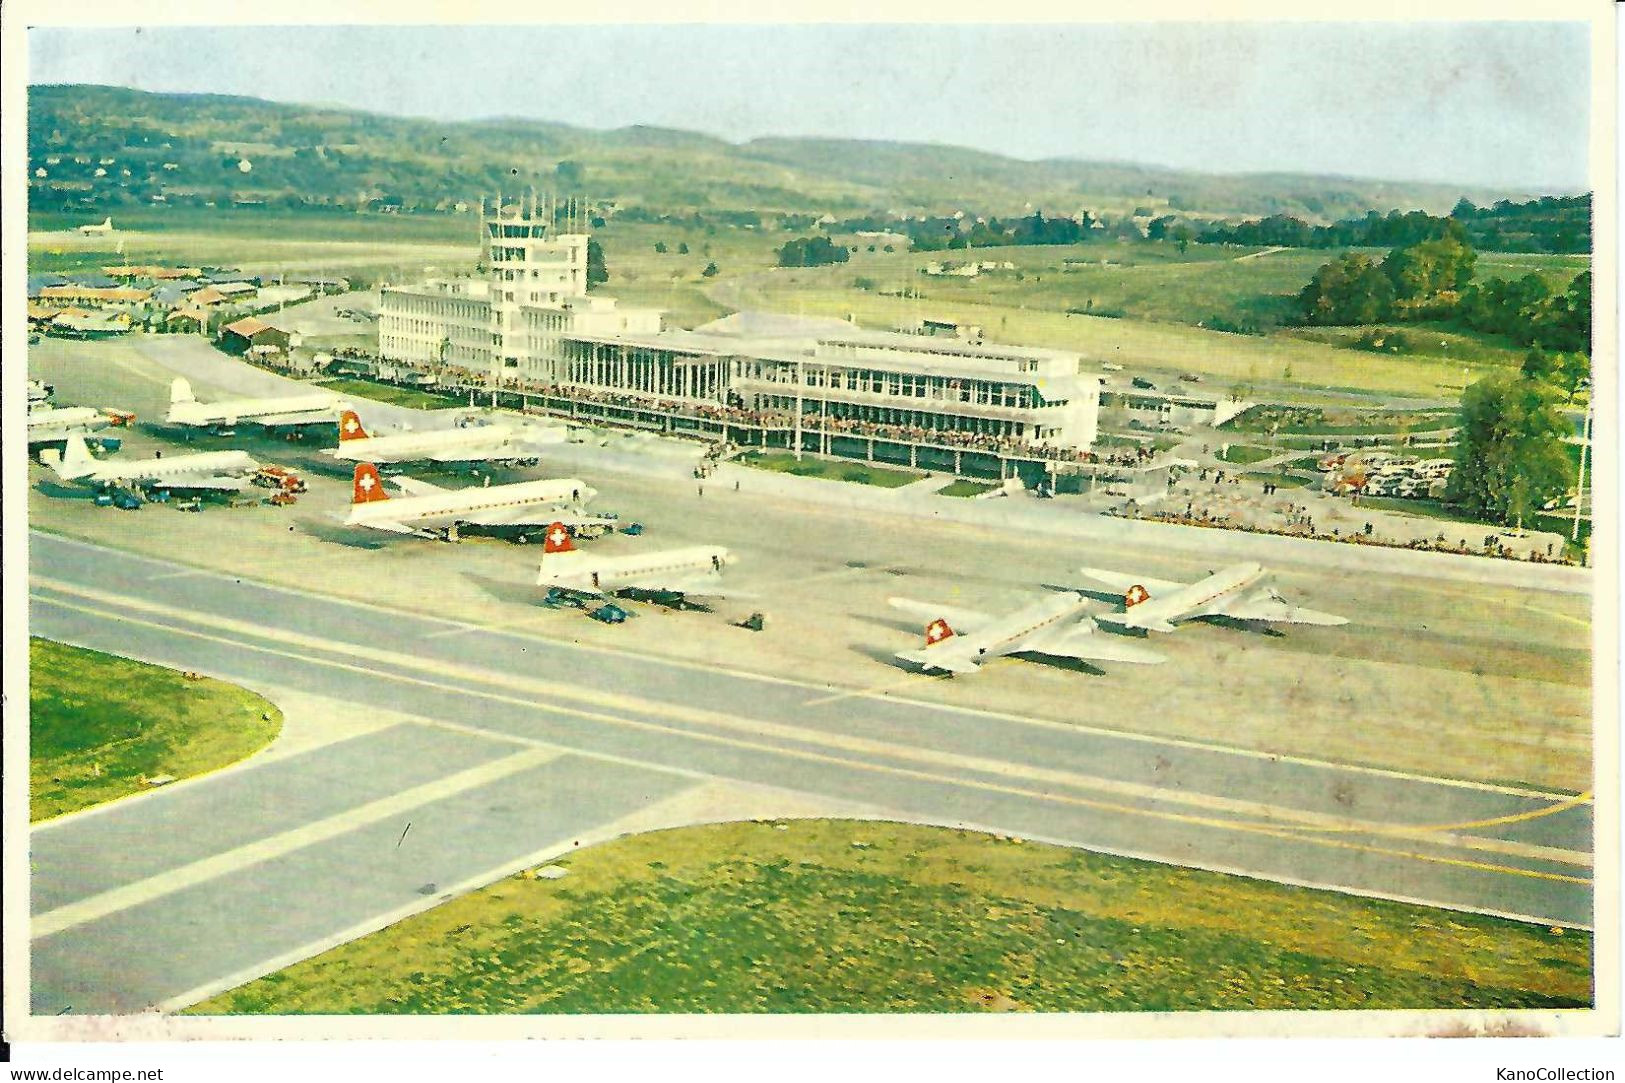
x=609, y=613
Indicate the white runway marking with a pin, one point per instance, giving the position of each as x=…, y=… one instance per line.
x=167, y=883
x=1028, y=780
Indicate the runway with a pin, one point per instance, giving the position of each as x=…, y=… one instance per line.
x=523, y=744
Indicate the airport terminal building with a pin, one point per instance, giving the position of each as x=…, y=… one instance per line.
x=528, y=324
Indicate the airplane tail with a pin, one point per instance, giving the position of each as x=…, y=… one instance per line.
x=938, y=631
x=368, y=486
x=557, y=540
x=180, y=390
x=1135, y=595
x=350, y=426
x=73, y=461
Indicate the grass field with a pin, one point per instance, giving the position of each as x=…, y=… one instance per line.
x=389, y=393
x=840, y=916
x=1244, y=454
x=961, y=487
x=1227, y=359
x=99, y=725
x=358, y=247
x=785, y=463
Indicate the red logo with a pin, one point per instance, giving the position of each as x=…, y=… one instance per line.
x=368, y=485
x=1136, y=594
x=557, y=540
x=936, y=632
x=350, y=426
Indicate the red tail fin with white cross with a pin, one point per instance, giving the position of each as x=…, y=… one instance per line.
x=368, y=485
x=350, y=426
x=1136, y=594
x=938, y=631
x=557, y=540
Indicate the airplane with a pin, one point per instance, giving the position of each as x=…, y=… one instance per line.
x=566, y=570
x=312, y=408
x=1157, y=604
x=209, y=470
x=525, y=508
x=464, y=443
x=54, y=424
x=104, y=226
x=960, y=640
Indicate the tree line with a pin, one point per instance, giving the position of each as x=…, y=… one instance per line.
x=1555, y=224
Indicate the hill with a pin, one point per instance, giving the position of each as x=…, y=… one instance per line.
x=97, y=147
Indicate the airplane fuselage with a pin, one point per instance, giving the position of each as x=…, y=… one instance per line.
x=1007, y=633
x=460, y=505
x=175, y=470
x=604, y=575
x=52, y=424
x=233, y=411
x=408, y=446
x=1195, y=599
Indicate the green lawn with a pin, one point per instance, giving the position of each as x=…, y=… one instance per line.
x=834, y=470
x=1243, y=454
x=961, y=487
x=842, y=916
x=391, y=394
x=100, y=725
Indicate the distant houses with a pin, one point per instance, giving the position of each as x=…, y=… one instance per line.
x=176, y=300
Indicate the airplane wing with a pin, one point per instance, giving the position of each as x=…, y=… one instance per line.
x=1122, y=581
x=537, y=515
x=465, y=453
x=963, y=620
x=945, y=658
x=414, y=487
x=1266, y=605
x=396, y=528
x=308, y=417
x=188, y=483
x=1084, y=642
x=699, y=583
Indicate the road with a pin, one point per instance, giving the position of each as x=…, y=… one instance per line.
x=515, y=747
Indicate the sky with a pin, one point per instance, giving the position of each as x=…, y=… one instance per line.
x=1497, y=104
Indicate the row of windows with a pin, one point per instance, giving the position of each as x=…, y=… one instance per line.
x=906, y=385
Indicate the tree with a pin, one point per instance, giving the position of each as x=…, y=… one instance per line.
x=710, y=270
x=682, y=248
x=571, y=175
x=660, y=247
x=1350, y=290
x=597, y=273
x=1572, y=370
x=811, y=252
x=1510, y=457
x=1538, y=364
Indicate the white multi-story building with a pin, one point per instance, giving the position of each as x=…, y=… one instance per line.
x=526, y=321
x=839, y=373
x=530, y=287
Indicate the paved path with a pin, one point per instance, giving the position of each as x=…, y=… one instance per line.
x=516, y=748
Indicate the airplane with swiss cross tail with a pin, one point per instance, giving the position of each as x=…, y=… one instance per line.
x=1235, y=593
x=676, y=573
x=1058, y=625
x=522, y=510
x=467, y=443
